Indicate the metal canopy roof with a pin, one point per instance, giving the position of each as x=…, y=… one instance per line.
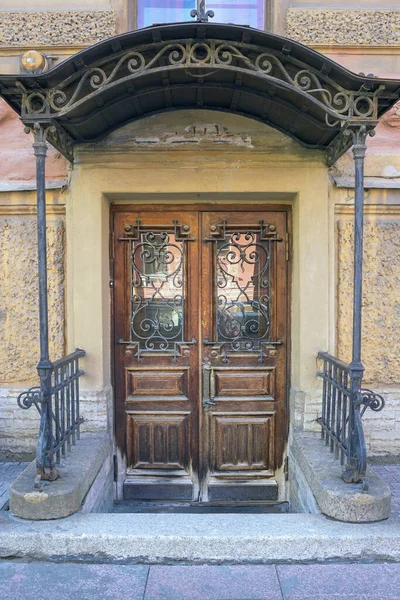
x=212, y=66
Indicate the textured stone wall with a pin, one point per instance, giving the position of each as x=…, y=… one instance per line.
x=56, y=28
x=365, y=27
x=19, y=317
x=381, y=297
x=381, y=319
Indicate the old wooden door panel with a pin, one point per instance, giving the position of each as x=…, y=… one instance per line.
x=243, y=353
x=156, y=324
x=218, y=278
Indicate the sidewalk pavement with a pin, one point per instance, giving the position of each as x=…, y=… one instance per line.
x=8, y=472
x=46, y=581
x=391, y=475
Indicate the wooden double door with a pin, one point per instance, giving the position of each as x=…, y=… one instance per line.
x=200, y=351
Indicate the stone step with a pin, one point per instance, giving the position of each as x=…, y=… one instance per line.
x=128, y=506
x=199, y=538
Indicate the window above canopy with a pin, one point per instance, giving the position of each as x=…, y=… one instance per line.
x=244, y=12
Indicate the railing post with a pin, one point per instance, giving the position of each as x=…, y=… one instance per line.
x=356, y=458
x=45, y=463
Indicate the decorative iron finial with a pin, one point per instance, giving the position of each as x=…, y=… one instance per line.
x=200, y=12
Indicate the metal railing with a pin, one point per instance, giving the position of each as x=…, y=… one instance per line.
x=343, y=405
x=60, y=418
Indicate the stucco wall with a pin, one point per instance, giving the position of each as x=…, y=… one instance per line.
x=19, y=315
x=381, y=297
x=19, y=319
x=381, y=315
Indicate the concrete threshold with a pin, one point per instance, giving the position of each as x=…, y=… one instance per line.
x=186, y=538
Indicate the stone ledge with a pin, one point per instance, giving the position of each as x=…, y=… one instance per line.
x=336, y=499
x=64, y=496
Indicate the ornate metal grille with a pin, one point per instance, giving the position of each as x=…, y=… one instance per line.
x=157, y=287
x=243, y=261
x=343, y=405
x=60, y=419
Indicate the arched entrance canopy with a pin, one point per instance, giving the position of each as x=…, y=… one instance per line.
x=206, y=65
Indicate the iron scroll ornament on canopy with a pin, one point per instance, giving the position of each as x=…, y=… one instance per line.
x=243, y=259
x=201, y=13
x=203, y=57
x=157, y=288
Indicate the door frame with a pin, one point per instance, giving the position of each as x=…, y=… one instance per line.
x=201, y=206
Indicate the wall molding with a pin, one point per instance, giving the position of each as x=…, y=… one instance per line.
x=343, y=26
x=56, y=28
x=384, y=210
x=30, y=186
x=11, y=210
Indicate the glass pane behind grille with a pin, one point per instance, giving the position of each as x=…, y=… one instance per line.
x=157, y=291
x=243, y=291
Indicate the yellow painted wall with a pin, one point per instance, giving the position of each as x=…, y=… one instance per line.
x=126, y=168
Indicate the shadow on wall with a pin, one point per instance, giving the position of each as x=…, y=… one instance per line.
x=17, y=161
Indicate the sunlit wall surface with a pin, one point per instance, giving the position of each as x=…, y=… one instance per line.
x=170, y=11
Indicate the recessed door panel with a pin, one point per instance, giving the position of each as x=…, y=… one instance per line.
x=242, y=444
x=248, y=383
x=158, y=441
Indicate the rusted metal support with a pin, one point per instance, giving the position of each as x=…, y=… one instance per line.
x=45, y=464
x=356, y=461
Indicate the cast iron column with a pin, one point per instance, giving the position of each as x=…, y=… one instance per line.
x=356, y=459
x=44, y=452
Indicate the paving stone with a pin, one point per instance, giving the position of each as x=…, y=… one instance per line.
x=47, y=581
x=347, y=582
x=213, y=583
x=391, y=475
x=9, y=471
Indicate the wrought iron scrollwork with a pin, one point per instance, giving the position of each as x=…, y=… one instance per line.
x=344, y=403
x=201, y=13
x=243, y=258
x=30, y=397
x=372, y=400
x=339, y=104
x=157, y=287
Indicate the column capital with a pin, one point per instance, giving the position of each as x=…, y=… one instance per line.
x=359, y=133
x=40, y=133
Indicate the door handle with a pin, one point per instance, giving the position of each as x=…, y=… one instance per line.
x=208, y=387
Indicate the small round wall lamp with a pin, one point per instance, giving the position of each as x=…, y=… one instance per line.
x=33, y=61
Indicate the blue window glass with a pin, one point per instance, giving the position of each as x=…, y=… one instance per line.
x=163, y=11
x=250, y=12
